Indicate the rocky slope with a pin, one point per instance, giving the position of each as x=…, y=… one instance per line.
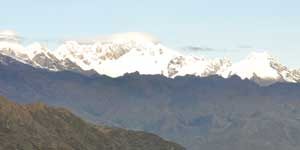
x=37, y=126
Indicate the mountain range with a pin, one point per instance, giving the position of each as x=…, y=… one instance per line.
x=133, y=52
x=197, y=112
x=139, y=84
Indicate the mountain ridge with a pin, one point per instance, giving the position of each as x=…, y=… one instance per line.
x=37, y=126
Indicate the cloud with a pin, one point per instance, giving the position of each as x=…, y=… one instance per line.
x=245, y=46
x=198, y=48
x=9, y=35
x=134, y=36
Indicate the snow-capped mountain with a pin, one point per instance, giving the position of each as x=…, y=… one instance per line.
x=117, y=56
x=131, y=52
x=263, y=68
x=36, y=55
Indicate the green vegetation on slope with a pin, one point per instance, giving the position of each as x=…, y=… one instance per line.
x=39, y=127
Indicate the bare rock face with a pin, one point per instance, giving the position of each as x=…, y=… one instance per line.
x=296, y=74
x=174, y=64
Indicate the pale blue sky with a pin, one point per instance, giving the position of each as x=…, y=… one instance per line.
x=232, y=27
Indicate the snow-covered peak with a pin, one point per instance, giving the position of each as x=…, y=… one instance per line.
x=117, y=57
x=18, y=51
x=35, y=49
x=82, y=55
x=68, y=48
x=147, y=60
x=262, y=67
x=121, y=55
x=36, y=55
x=255, y=64
x=198, y=66
x=13, y=49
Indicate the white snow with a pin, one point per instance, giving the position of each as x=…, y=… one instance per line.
x=255, y=63
x=35, y=49
x=150, y=60
x=117, y=57
x=201, y=66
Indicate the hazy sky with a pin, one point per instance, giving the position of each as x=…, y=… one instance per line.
x=230, y=28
